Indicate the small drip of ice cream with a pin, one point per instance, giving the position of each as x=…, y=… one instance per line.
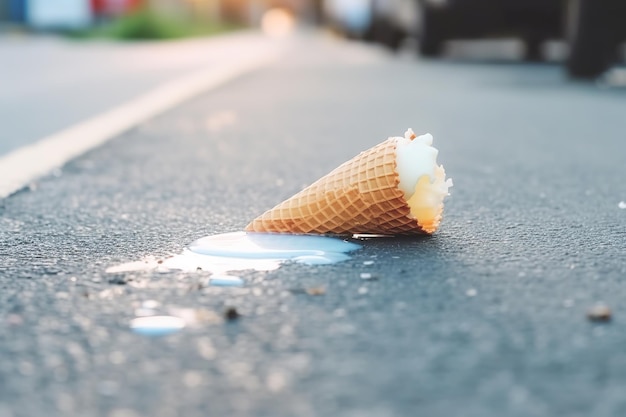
x=423, y=181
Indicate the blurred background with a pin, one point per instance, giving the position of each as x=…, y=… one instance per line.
x=585, y=35
x=119, y=49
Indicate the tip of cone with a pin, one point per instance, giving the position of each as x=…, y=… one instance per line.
x=409, y=134
x=250, y=227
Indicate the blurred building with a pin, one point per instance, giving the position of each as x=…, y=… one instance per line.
x=113, y=8
x=76, y=14
x=13, y=11
x=62, y=14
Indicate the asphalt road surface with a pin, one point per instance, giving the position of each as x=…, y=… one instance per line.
x=49, y=84
x=485, y=318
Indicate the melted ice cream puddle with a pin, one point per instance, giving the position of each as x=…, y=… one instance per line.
x=240, y=251
x=225, y=281
x=157, y=325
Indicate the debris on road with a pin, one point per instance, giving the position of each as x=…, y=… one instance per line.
x=316, y=291
x=367, y=276
x=310, y=291
x=231, y=314
x=600, y=313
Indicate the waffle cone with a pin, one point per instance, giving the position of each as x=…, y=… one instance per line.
x=359, y=196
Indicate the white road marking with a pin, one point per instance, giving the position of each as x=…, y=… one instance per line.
x=24, y=165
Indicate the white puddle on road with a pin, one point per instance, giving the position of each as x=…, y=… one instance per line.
x=224, y=253
x=239, y=251
x=157, y=325
x=226, y=281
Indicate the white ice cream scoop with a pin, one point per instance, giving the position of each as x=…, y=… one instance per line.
x=423, y=182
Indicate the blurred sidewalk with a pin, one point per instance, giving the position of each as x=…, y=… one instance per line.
x=50, y=83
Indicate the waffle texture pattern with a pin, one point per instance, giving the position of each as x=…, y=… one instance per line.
x=359, y=196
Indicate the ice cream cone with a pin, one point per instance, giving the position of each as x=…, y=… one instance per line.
x=360, y=196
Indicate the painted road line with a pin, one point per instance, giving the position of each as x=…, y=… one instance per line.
x=24, y=165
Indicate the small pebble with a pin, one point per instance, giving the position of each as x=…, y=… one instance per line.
x=368, y=277
x=599, y=313
x=119, y=280
x=622, y=205
x=231, y=314
x=471, y=292
x=368, y=263
x=316, y=291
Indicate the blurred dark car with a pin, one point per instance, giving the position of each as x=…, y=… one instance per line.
x=533, y=20
x=595, y=30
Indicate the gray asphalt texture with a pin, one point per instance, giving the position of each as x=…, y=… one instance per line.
x=485, y=318
x=50, y=84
